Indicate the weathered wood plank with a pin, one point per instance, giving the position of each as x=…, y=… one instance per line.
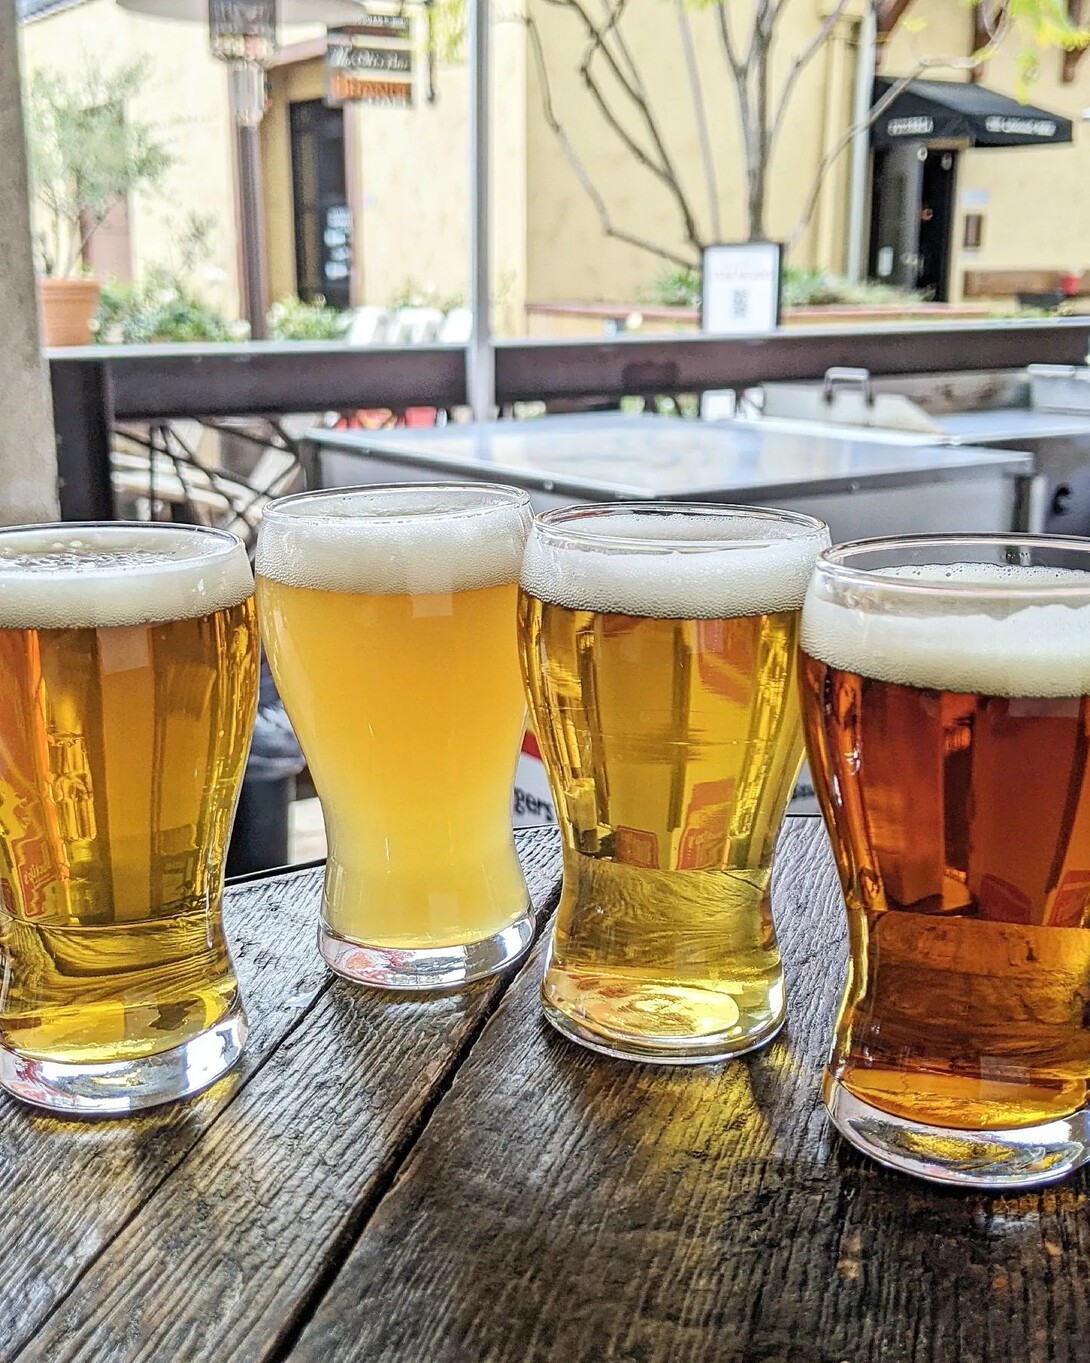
x=244, y=1231
x=67, y=1188
x=563, y=1208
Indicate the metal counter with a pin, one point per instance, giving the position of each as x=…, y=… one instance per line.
x=860, y=486
x=994, y=411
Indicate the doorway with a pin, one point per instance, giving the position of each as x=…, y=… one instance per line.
x=936, y=223
x=322, y=217
x=912, y=220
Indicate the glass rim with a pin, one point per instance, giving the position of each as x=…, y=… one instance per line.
x=70, y=529
x=556, y=524
x=502, y=495
x=835, y=563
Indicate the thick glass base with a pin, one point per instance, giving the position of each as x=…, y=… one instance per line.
x=997, y=1160
x=659, y=1049
x=114, y=1089
x=425, y=968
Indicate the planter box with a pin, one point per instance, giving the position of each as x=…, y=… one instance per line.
x=67, y=307
x=594, y=319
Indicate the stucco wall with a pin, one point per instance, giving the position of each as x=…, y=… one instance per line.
x=410, y=174
x=28, y=457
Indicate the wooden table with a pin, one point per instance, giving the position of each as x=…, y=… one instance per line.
x=446, y=1180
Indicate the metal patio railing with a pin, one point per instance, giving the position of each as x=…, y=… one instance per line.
x=105, y=395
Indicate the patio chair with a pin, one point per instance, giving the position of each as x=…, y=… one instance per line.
x=415, y=326
x=370, y=326
x=457, y=327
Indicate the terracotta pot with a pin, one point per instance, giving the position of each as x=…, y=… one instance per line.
x=67, y=307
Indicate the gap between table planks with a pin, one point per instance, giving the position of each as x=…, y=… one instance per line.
x=203, y=1230
x=564, y=1208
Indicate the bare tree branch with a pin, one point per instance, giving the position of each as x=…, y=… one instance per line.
x=734, y=61
x=764, y=19
x=998, y=32
x=579, y=169
x=664, y=169
x=613, y=11
x=750, y=80
x=700, y=113
x=799, y=64
x=826, y=162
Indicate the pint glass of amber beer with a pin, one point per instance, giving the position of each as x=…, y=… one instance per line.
x=945, y=684
x=388, y=614
x=658, y=650
x=128, y=675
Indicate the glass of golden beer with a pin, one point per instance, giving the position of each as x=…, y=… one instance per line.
x=128, y=668
x=388, y=614
x=945, y=683
x=658, y=650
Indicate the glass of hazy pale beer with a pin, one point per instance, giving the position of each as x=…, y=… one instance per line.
x=658, y=650
x=388, y=616
x=945, y=686
x=128, y=666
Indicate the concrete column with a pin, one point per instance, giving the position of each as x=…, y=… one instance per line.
x=28, y=454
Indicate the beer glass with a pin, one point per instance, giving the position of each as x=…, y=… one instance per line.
x=945, y=683
x=388, y=614
x=128, y=669
x=658, y=651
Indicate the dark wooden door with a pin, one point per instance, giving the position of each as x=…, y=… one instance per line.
x=323, y=219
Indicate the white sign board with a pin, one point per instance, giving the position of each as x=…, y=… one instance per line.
x=741, y=289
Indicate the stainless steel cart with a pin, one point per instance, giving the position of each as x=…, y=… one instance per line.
x=1044, y=411
x=859, y=486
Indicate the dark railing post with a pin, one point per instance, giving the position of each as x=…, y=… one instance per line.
x=83, y=420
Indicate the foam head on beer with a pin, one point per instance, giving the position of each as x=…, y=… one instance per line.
x=389, y=541
x=993, y=629
x=674, y=566
x=99, y=577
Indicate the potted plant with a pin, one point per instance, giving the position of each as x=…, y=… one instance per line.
x=87, y=154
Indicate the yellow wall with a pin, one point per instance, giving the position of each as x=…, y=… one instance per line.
x=568, y=256
x=411, y=177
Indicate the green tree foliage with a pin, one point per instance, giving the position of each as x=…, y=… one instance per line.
x=1041, y=25
x=87, y=153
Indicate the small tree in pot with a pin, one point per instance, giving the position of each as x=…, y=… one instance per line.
x=87, y=155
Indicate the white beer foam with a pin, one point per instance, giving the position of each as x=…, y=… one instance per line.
x=993, y=646
x=714, y=567
x=99, y=577
x=383, y=542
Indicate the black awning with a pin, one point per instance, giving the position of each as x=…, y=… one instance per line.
x=946, y=110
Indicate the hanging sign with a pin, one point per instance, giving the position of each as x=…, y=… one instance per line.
x=371, y=62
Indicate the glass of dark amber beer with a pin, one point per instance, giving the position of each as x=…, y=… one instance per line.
x=128, y=671
x=658, y=649
x=945, y=687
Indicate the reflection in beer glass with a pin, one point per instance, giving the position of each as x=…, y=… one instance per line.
x=128, y=667
x=658, y=651
x=388, y=614
x=945, y=683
